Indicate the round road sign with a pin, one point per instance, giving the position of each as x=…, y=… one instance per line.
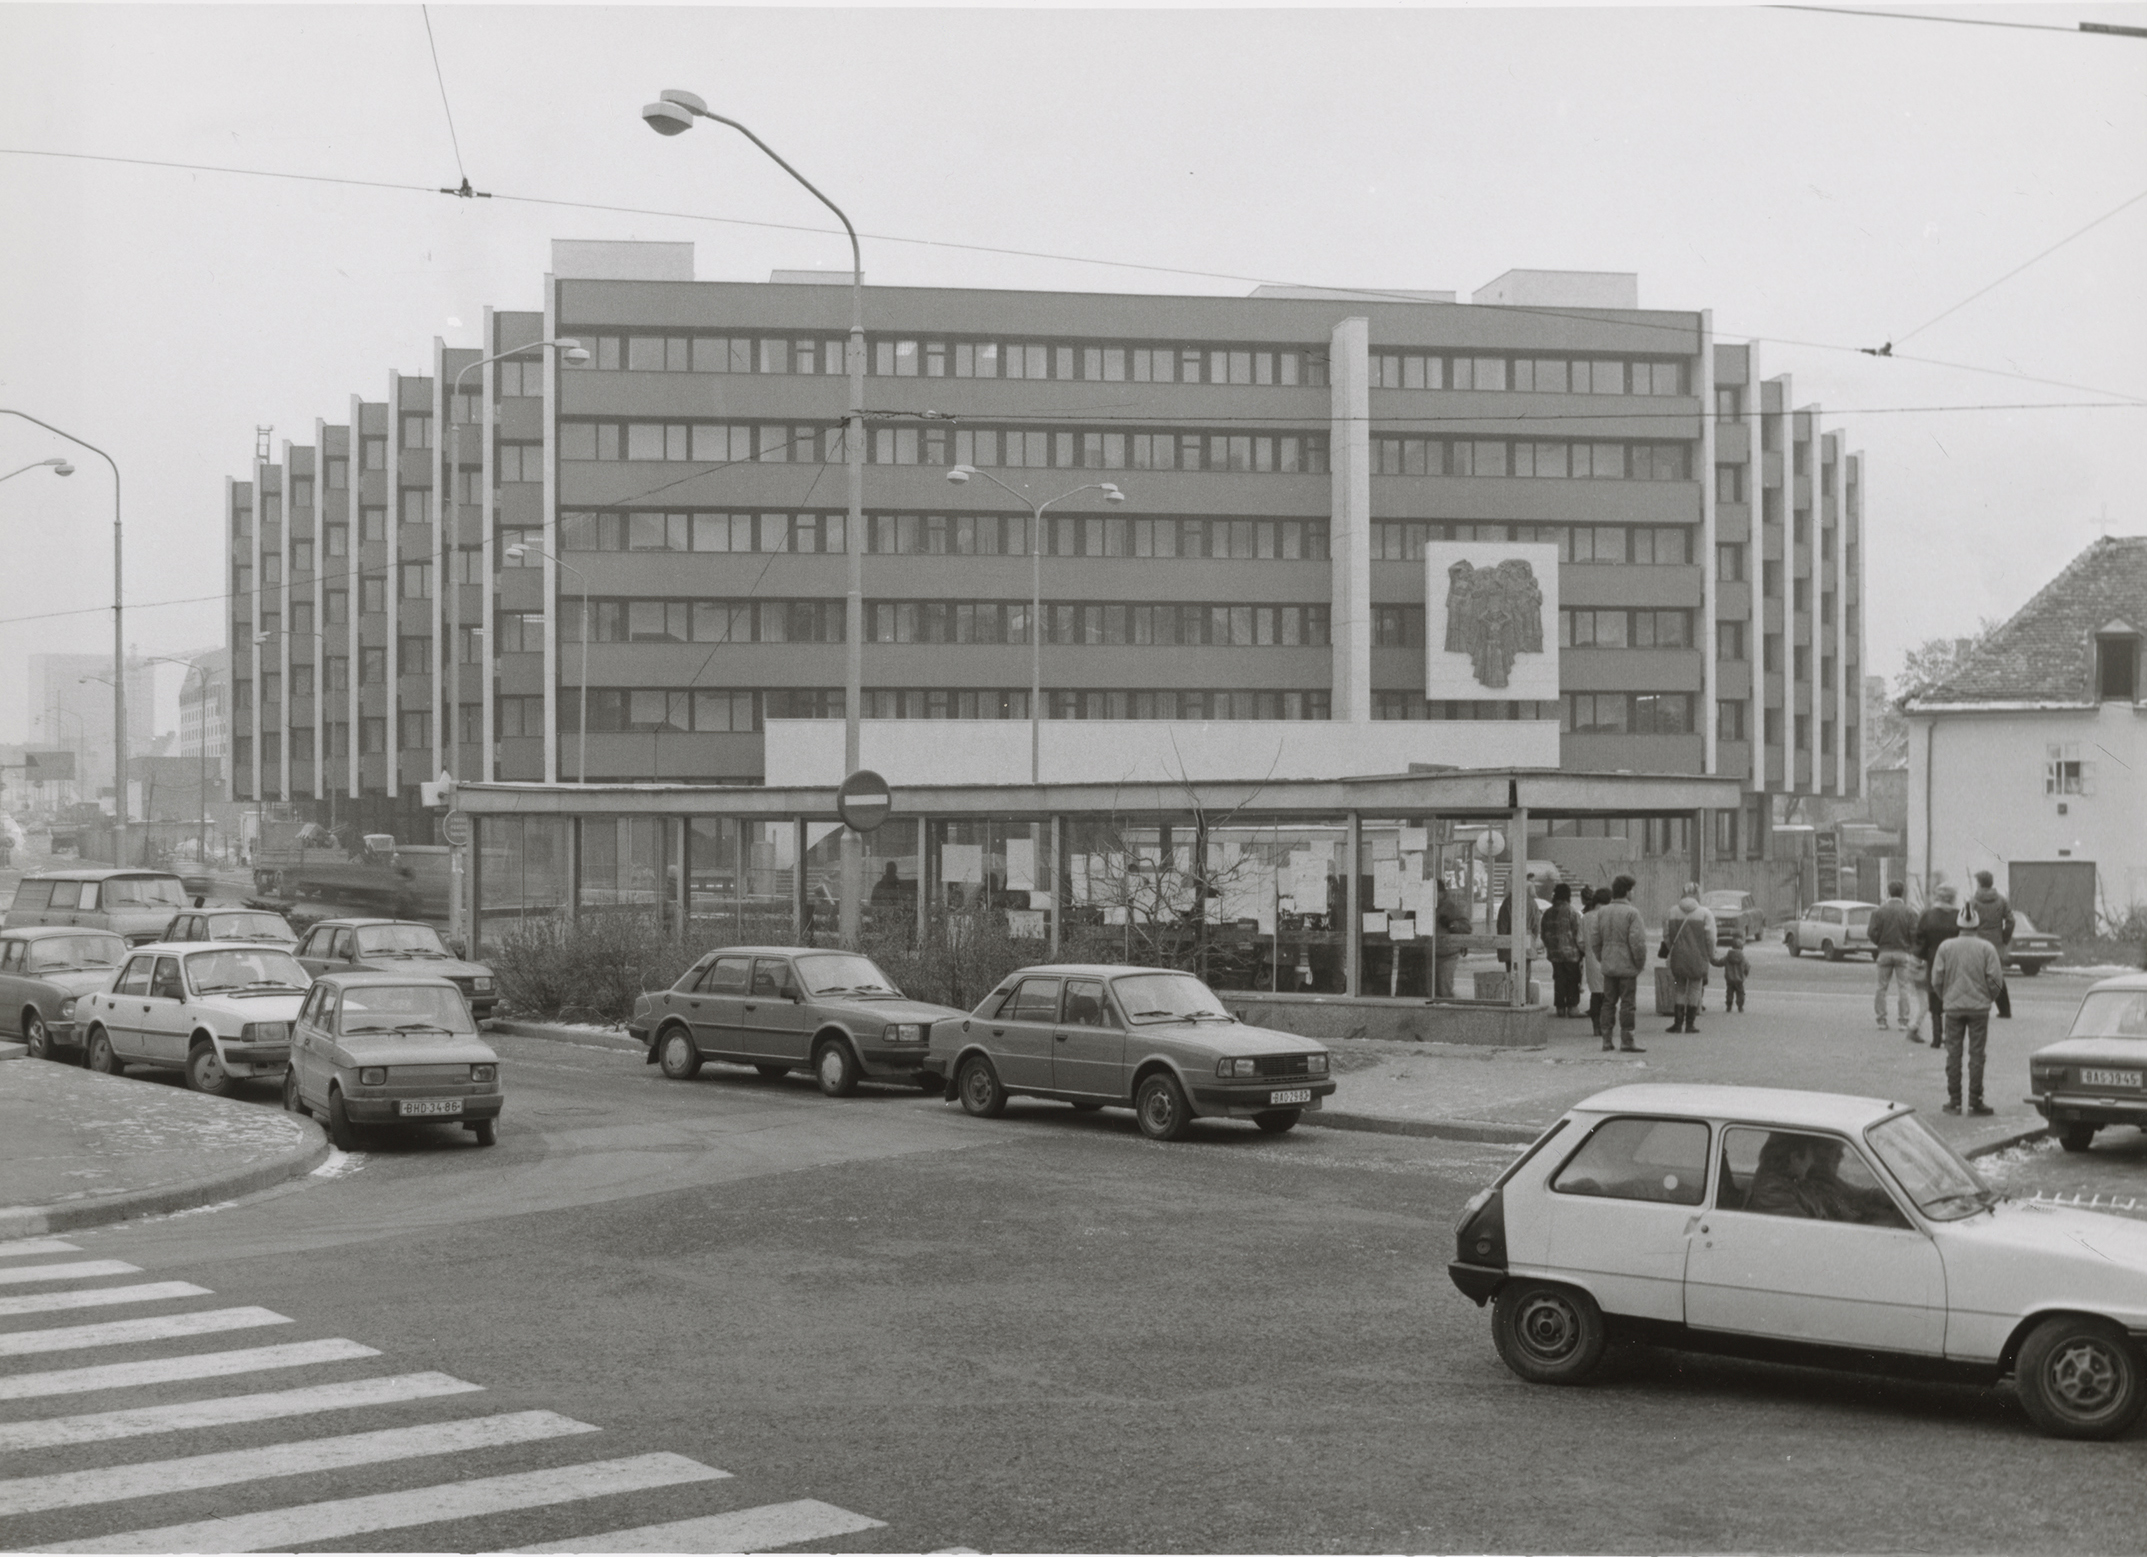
x=455, y=828
x=863, y=800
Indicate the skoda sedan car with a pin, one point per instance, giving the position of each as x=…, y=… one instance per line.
x=44, y=973
x=1802, y=1227
x=391, y=1049
x=395, y=946
x=2096, y=1074
x=218, y=1013
x=1154, y=1039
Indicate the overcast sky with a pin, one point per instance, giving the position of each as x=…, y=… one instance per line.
x=1820, y=182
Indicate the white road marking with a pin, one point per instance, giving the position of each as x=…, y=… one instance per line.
x=201, y=1365
x=115, y=1483
x=101, y=1297
x=70, y=1271
x=120, y=1332
x=101, y=1426
x=281, y=1529
x=18, y=1246
x=743, y=1530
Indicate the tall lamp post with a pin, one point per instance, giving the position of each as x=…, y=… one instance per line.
x=451, y=546
x=59, y=466
x=960, y=476
x=673, y=114
x=119, y=639
x=581, y=756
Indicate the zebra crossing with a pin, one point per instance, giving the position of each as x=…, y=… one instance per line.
x=115, y=1505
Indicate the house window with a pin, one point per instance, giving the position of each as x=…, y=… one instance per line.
x=2117, y=668
x=2064, y=773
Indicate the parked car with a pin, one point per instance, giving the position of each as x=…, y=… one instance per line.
x=135, y=905
x=1736, y=913
x=1834, y=929
x=1153, y=1039
x=391, y=1049
x=395, y=946
x=217, y=1013
x=1805, y=1227
x=2096, y=1074
x=44, y=973
x=2030, y=950
x=778, y=1008
x=231, y=924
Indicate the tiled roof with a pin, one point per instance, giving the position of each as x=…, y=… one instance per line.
x=2046, y=652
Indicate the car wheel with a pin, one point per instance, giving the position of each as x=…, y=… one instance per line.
x=2076, y=1137
x=675, y=1054
x=1159, y=1104
x=1280, y=1121
x=293, y=1101
x=977, y=1084
x=1830, y=951
x=2079, y=1378
x=486, y=1131
x=101, y=1057
x=1790, y=941
x=773, y=1071
x=2028, y=970
x=340, y=1129
x=835, y=1068
x=205, y=1071
x=35, y=1037
x=1547, y=1333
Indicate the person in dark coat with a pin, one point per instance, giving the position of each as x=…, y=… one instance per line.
x=1450, y=920
x=1994, y=923
x=1939, y=924
x=1561, y=943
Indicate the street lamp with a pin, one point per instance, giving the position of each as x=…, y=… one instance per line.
x=581, y=760
x=960, y=476
x=119, y=638
x=59, y=466
x=673, y=114
x=451, y=544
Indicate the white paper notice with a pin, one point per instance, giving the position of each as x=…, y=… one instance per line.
x=1401, y=928
x=1387, y=885
x=1020, y=864
x=1375, y=924
x=961, y=864
x=1415, y=840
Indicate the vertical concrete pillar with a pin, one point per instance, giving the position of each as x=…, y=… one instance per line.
x=574, y=825
x=551, y=543
x=354, y=600
x=1710, y=587
x=1349, y=529
x=681, y=865
x=797, y=881
x=1353, y=931
x=391, y=746
x=924, y=918
x=1057, y=884
x=1518, y=886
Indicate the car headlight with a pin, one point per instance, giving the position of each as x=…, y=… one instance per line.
x=373, y=1076
x=1316, y=1064
x=265, y=1032
x=484, y=1073
x=1230, y=1067
x=902, y=1032
x=483, y=986
x=67, y=1006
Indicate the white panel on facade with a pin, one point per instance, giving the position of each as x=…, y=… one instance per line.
x=1490, y=621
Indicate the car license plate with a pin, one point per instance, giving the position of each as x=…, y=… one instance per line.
x=1298, y=1095
x=429, y=1105
x=2109, y=1078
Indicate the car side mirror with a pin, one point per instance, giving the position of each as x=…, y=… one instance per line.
x=199, y=901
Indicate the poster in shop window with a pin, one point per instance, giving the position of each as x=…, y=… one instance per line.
x=1490, y=622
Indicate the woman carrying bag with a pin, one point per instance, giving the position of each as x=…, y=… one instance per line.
x=1686, y=950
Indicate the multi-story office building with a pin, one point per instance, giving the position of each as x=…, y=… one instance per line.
x=645, y=577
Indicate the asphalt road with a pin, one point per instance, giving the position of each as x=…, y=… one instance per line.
x=1038, y=1333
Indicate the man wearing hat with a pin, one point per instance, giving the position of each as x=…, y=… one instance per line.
x=1939, y=923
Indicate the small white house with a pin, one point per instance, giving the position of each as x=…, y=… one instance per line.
x=2030, y=761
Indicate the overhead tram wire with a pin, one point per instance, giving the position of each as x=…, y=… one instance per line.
x=2118, y=209
x=1971, y=21
x=454, y=140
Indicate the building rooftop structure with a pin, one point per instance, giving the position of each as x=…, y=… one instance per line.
x=2048, y=652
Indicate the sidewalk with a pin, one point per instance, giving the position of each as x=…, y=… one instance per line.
x=1511, y=1095
x=81, y=1149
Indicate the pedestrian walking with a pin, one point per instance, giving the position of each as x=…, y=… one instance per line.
x=1994, y=923
x=1591, y=966
x=1450, y=918
x=1689, y=949
x=1893, y=937
x=1736, y=968
x=1971, y=976
x=1618, y=937
x=1938, y=924
x=1561, y=943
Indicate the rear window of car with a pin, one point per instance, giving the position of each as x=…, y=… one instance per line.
x=1859, y=917
x=1036, y=1001
x=33, y=894
x=1640, y=1159
x=2112, y=1013
x=726, y=976
x=66, y=894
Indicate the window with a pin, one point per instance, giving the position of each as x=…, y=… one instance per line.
x=413, y=656
x=2117, y=660
x=1729, y=483
x=373, y=526
x=1800, y=660
x=1791, y=1173
x=338, y=475
x=372, y=666
x=1729, y=640
x=417, y=581
x=519, y=716
x=1800, y=594
x=414, y=729
x=375, y=452
x=1729, y=563
x=519, y=462
x=338, y=539
x=2064, y=773
x=1804, y=732
x=372, y=594
x=417, y=432
x=416, y=505
x=337, y=602
x=372, y=736
x=519, y=378
x=1729, y=726
x=1729, y=402
x=1640, y=1159
x=1770, y=580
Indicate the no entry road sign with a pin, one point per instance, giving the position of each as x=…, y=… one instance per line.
x=863, y=800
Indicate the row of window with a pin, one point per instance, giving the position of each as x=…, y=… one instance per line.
x=961, y=535
x=689, y=621
x=1402, y=627
x=1539, y=375
x=1414, y=705
x=914, y=621
x=894, y=357
x=1625, y=713
x=662, y=710
x=1403, y=540
x=1556, y=459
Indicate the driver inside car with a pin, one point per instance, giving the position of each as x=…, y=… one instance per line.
x=1800, y=1175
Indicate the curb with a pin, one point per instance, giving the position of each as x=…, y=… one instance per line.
x=552, y=1033
x=207, y=1190
x=13, y=1051
x=1430, y=1129
x=2007, y=1142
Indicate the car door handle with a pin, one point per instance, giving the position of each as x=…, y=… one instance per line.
x=751, y=1007
x=998, y=1032
x=1061, y=1037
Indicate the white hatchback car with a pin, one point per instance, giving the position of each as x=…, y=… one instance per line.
x=1802, y=1227
x=1834, y=929
x=218, y=1013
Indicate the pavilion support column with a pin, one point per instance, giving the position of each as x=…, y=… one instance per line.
x=797, y=881
x=924, y=914
x=574, y=825
x=682, y=899
x=1353, y=930
x=1057, y=835
x=1699, y=848
x=1517, y=914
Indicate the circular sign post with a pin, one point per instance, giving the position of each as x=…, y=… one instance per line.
x=863, y=801
x=455, y=829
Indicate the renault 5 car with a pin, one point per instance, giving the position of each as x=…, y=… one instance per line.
x=2096, y=1074
x=218, y=1013
x=1153, y=1039
x=391, y=1049
x=1803, y=1227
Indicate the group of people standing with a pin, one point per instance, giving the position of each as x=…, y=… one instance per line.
x=1604, y=942
x=1950, y=958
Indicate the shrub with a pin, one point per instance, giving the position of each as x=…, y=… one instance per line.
x=587, y=970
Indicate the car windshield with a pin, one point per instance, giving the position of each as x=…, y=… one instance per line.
x=841, y=974
x=143, y=892
x=400, y=940
x=219, y=972
x=2112, y=1013
x=1168, y=997
x=404, y=1008
x=1943, y=1186
x=250, y=927
x=57, y=952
